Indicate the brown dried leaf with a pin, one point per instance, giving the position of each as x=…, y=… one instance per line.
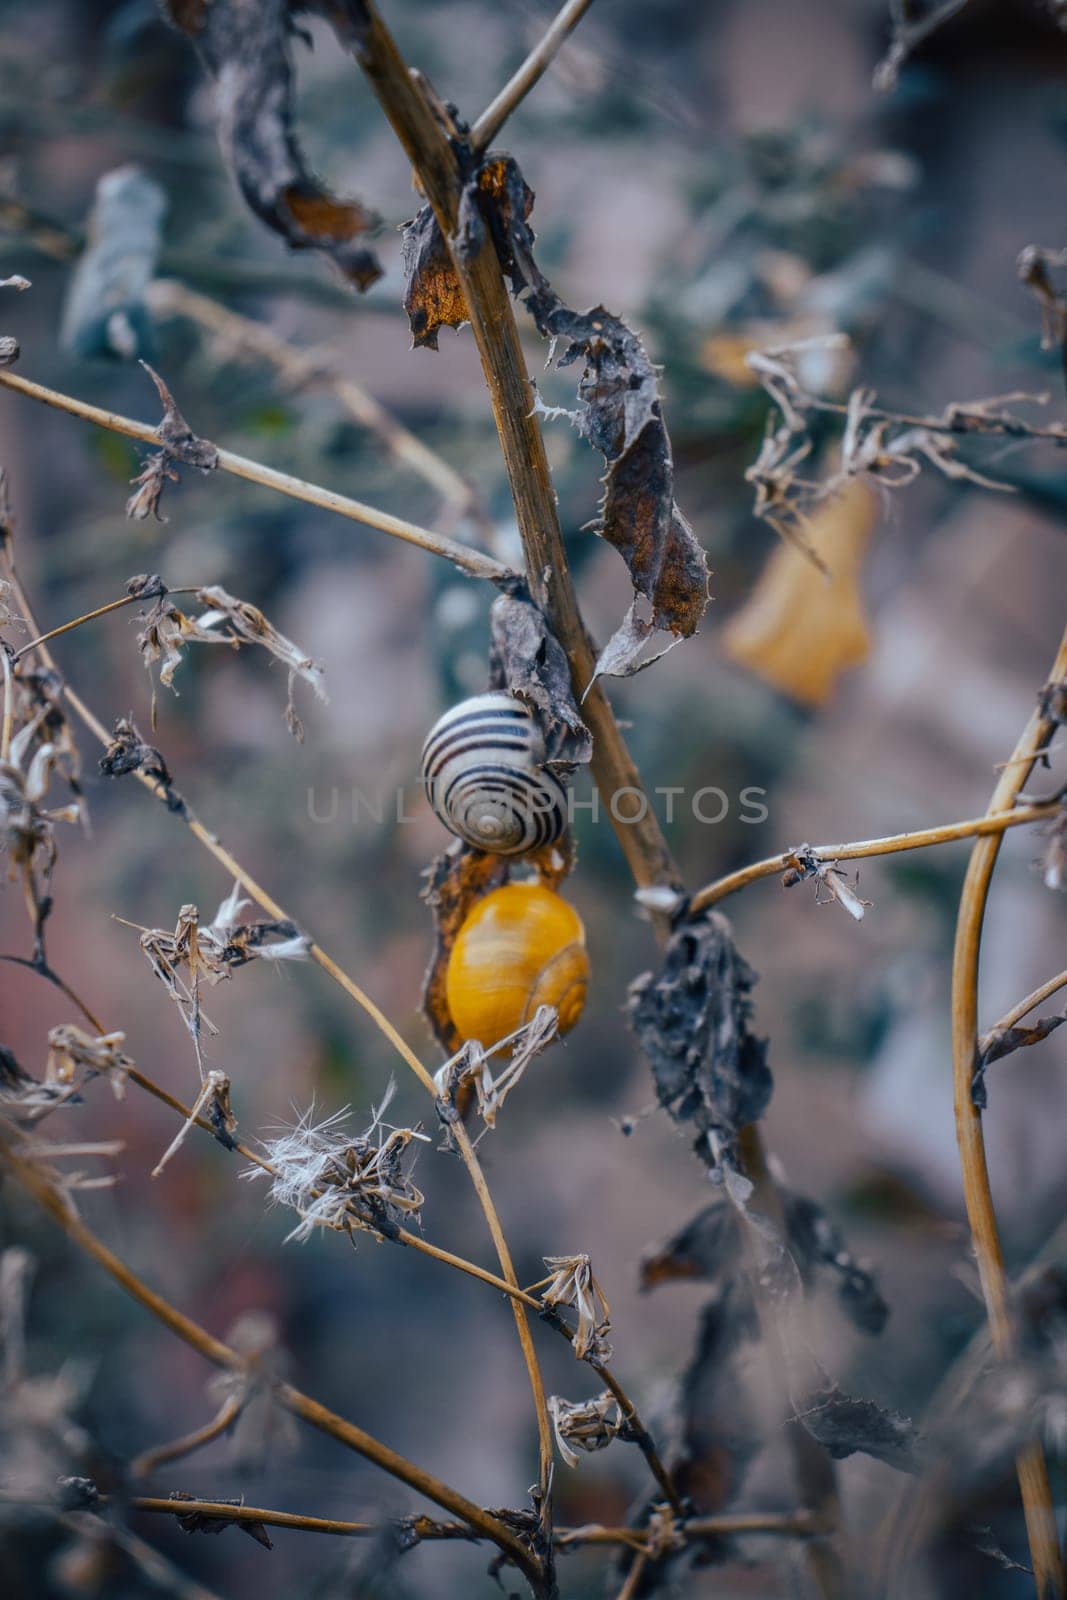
x=244, y=45
x=801, y=628
x=619, y=410
x=433, y=298
x=456, y=880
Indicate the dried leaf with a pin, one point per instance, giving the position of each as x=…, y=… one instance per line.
x=572, y=1284
x=619, y=411
x=244, y=45
x=526, y=658
x=815, y=1242
x=433, y=298
x=105, y=313
x=801, y=628
x=456, y=879
x=692, y=1022
x=844, y=1425
x=1002, y=1042
x=707, y=1248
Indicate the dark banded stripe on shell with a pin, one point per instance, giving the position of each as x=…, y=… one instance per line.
x=481, y=766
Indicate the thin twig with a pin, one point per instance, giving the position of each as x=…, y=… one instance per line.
x=712, y=893
x=532, y=71
x=1030, y=1463
x=634, y=1576
x=300, y=367
x=293, y=1399
x=1016, y=1013
x=473, y=562
x=89, y=616
x=144, y=1465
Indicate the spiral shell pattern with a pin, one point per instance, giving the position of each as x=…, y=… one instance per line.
x=482, y=768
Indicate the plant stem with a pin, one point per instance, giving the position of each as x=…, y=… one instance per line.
x=473, y=562
x=294, y=1400
x=88, y=616
x=146, y=1464
x=712, y=893
x=299, y=367
x=531, y=72
x=1030, y=1463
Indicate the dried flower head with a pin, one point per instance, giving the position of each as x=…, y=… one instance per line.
x=128, y=752
x=179, y=444
x=72, y=1051
x=584, y=1424
x=572, y=1284
x=332, y=1180
x=24, y=1096
x=214, y=951
x=472, y=1067
x=227, y=620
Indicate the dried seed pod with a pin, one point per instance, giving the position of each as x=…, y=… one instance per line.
x=482, y=765
x=521, y=947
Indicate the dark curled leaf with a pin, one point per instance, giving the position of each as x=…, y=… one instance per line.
x=707, y=1248
x=527, y=658
x=433, y=298
x=105, y=312
x=1001, y=1042
x=844, y=1425
x=816, y=1242
x=244, y=45
x=455, y=880
x=692, y=1022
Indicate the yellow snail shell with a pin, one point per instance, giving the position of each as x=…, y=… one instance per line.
x=521, y=947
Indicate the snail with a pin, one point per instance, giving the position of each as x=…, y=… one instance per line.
x=482, y=765
x=521, y=947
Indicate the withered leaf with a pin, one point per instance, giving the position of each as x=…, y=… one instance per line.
x=706, y=1248
x=433, y=298
x=455, y=881
x=1002, y=1042
x=179, y=443
x=619, y=410
x=526, y=658
x=692, y=1022
x=244, y=45
x=816, y=1242
x=495, y=197
x=844, y=1425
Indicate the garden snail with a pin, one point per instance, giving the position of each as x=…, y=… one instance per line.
x=484, y=777
x=521, y=947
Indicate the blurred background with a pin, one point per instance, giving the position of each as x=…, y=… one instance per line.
x=723, y=176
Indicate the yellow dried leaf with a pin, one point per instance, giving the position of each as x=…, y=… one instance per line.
x=800, y=629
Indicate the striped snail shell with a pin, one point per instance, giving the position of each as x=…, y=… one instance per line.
x=522, y=946
x=484, y=777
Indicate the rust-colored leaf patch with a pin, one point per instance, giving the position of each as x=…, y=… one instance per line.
x=456, y=880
